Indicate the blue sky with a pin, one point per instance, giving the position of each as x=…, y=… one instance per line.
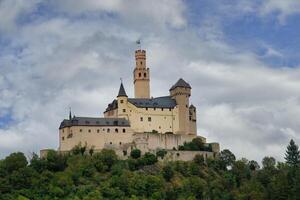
x=241, y=58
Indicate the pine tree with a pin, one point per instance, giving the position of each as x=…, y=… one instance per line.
x=292, y=155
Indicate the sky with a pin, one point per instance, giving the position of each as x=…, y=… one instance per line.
x=241, y=58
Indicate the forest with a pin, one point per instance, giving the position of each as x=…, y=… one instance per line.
x=86, y=175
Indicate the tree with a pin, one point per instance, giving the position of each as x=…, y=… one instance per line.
x=292, y=155
x=268, y=162
x=227, y=158
x=168, y=172
x=104, y=160
x=161, y=153
x=14, y=162
x=148, y=159
x=199, y=159
x=253, y=165
x=135, y=153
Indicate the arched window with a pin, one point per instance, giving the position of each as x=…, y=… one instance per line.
x=145, y=75
x=140, y=74
x=116, y=130
x=124, y=130
x=108, y=130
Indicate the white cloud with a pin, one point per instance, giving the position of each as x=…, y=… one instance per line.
x=10, y=10
x=284, y=8
x=157, y=11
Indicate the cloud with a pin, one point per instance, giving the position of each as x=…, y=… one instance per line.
x=133, y=11
x=283, y=8
x=10, y=10
x=76, y=56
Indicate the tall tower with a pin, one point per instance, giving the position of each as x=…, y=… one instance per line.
x=181, y=92
x=141, y=76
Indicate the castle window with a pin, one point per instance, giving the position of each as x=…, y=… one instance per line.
x=124, y=130
x=108, y=130
x=116, y=130
x=122, y=101
x=80, y=130
x=141, y=62
x=141, y=119
x=63, y=138
x=162, y=109
x=145, y=75
x=89, y=130
x=154, y=108
x=190, y=118
x=170, y=109
x=146, y=108
x=98, y=131
x=186, y=106
x=140, y=74
x=120, y=143
x=149, y=119
x=159, y=127
x=63, y=130
x=110, y=143
x=124, y=110
x=103, y=129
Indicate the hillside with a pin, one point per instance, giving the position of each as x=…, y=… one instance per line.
x=86, y=175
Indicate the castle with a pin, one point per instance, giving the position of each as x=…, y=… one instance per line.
x=142, y=122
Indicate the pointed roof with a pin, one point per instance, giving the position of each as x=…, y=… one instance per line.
x=192, y=106
x=181, y=83
x=122, y=92
x=70, y=114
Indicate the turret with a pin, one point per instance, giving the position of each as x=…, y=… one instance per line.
x=193, y=120
x=181, y=92
x=141, y=76
x=122, y=102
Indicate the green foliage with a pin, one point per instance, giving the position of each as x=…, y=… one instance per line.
x=14, y=162
x=135, y=153
x=104, y=160
x=199, y=159
x=269, y=163
x=227, y=158
x=168, y=172
x=292, y=155
x=102, y=175
x=161, y=153
x=195, y=145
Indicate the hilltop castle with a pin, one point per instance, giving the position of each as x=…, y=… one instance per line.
x=142, y=122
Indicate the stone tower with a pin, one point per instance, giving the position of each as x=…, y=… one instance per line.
x=181, y=92
x=122, y=99
x=141, y=76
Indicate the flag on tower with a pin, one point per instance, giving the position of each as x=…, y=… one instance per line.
x=138, y=41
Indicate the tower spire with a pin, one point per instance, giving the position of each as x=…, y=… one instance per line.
x=70, y=113
x=122, y=92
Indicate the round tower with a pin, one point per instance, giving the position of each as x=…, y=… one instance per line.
x=181, y=92
x=141, y=76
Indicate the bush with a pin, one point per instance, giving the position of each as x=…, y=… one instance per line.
x=135, y=153
x=149, y=159
x=161, y=153
x=168, y=172
x=104, y=160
